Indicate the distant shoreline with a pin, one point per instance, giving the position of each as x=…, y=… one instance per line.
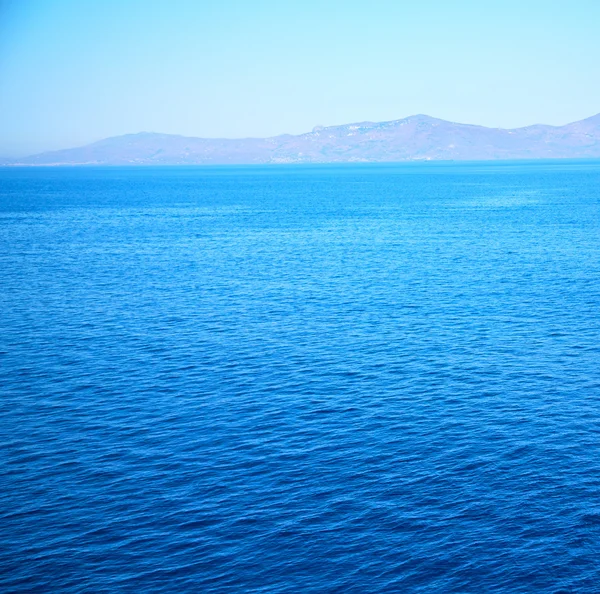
x=255, y=166
x=417, y=138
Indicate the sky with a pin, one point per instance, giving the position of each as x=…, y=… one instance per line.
x=76, y=71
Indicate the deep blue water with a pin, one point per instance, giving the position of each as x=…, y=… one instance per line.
x=301, y=379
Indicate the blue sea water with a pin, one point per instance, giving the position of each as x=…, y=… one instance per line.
x=321, y=379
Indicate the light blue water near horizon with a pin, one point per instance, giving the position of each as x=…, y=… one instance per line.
x=366, y=378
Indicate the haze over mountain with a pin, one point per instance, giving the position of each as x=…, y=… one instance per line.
x=415, y=138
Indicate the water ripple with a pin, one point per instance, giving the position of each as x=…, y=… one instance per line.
x=319, y=379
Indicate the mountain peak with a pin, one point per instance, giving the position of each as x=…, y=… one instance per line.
x=421, y=117
x=417, y=137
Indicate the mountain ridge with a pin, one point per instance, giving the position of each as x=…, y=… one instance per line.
x=415, y=138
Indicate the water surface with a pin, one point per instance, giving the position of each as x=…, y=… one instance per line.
x=301, y=379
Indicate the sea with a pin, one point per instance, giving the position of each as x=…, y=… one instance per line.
x=301, y=379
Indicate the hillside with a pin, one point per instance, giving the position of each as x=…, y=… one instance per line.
x=417, y=137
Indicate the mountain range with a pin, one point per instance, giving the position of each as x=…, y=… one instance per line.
x=415, y=138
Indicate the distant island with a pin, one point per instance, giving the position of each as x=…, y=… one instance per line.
x=416, y=138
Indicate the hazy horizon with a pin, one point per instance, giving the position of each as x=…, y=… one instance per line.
x=73, y=73
x=161, y=133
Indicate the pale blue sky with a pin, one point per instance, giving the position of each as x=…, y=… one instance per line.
x=75, y=71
